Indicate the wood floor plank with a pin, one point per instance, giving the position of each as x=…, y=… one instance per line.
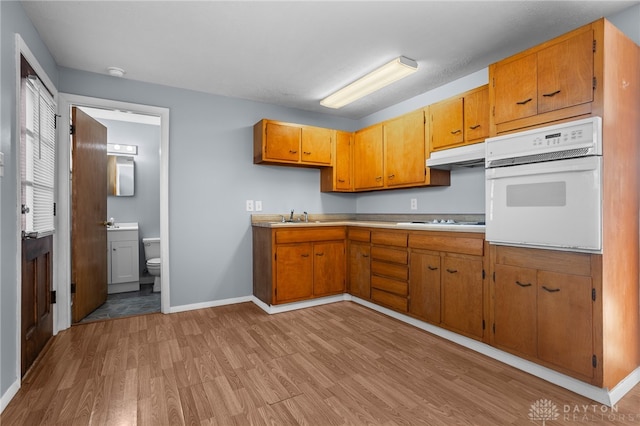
x=337, y=364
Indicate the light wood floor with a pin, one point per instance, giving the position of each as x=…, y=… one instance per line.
x=337, y=364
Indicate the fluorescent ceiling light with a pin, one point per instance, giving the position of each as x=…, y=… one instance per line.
x=375, y=80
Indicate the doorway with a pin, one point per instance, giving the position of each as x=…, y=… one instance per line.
x=63, y=244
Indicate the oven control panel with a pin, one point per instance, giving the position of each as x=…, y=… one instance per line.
x=583, y=136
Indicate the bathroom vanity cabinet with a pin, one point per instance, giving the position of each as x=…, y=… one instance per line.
x=123, y=258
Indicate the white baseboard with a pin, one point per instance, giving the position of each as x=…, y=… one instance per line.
x=9, y=394
x=211, y=304
x=276, y=309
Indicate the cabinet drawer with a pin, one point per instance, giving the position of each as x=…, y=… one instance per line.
x=390, y=270
x=397, y=239
x=393, y=301
x=389, y=255
x=320, y=233
x=450, y=244
x=359, y=235
x=392, y=286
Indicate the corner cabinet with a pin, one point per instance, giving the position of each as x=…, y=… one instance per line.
x=296, y=264
x=275, y=142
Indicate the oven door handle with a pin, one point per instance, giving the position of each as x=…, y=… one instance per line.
x=560, y=166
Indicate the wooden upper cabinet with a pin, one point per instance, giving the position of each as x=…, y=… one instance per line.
x=446, y=123
x=555, y=75
x=276, y=142
x=316, y=145
x=282, y=142
x=460, y=120
x=367, y=158
x=565, y=73
x=476, y=115
x=404, y=150
x=339, y=178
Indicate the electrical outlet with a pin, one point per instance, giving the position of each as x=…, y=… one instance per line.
x=414, y=204
x=249, y=205
x=258, y=205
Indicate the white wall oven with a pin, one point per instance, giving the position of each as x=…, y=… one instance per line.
x=544, y=187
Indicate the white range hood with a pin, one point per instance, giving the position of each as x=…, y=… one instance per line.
x=464, y=156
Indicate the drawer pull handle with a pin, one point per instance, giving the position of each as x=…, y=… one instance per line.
x=452, y=271
x=523, y=284
x=550, y=95
x=305, y=255
x=293, y=151
x=319, y=254
x=306, y=152
x=455, y=132
x=365, y=255
x=378, y=177
x=432, y=268
x=550, y=290
x=474, y=127
x=341, y=180
x=392, y=176
x=526, y=101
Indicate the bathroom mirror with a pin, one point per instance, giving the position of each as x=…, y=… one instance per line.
x=120, y=172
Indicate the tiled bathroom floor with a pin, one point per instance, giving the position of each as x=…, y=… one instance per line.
x=126, y=304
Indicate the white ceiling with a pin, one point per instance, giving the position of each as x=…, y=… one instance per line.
x=294, y=53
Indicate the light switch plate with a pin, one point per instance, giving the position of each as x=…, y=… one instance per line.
x=249, y=205
x=1, y=164
x=258, y=205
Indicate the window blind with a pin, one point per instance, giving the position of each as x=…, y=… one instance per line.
x=38, y=159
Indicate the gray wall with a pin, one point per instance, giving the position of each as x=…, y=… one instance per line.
x=144, y=206
x=13, y=20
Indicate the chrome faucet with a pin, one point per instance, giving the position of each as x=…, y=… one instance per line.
x=306, y=216
x=291, y=217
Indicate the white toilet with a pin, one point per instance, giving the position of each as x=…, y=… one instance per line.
x=152, y=257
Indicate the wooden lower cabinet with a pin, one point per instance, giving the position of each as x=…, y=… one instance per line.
x=424, y=286
x=295, y=264
x=544, y=308
x=462, y=294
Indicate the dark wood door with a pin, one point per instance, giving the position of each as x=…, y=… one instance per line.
x=88, y=214
x=37, y=318
x=294, y=272
x=329, y=268
x=424, y=287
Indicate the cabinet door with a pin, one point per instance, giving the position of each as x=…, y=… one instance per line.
x=565, y=73
x=124, y=261
x=283, y=142
x=404, y=150
x=316, y=145
x=476, y=115
x=515, y=294
x=424, y=287
x=360, y=270
x=462, y=294
x=565, y=321
x=294, y=272
x=446, y=124
x=367, y=158
x=328, y=268
x=516, y=89
x=343, y=160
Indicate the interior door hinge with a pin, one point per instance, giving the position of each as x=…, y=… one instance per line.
x=73, y=288
x=483, y=274
x=595, y=83
x=594, y=46
x=593, y=294
x=72, y=129
x=483, y=324
x=53, y=296
x=54, y=209
x=494, y=328
x=594, y=361
x=494, y=276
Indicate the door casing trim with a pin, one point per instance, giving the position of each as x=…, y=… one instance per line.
x=62, y=247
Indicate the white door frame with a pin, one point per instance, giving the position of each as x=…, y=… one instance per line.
x=62, y=260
